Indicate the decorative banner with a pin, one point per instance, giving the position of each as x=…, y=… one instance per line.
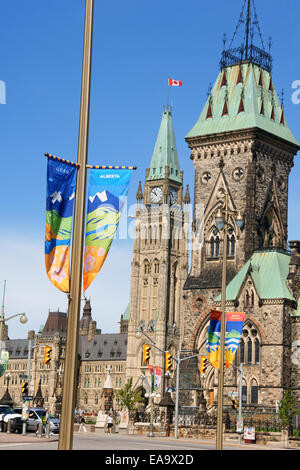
x=4, y=356
x=107, y=189
x=234, y=326
x=157, y=378
x=61, y=183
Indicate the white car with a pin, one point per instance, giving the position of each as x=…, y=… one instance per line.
x=7, y=413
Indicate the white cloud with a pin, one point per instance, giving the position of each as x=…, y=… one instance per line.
x=29, y=290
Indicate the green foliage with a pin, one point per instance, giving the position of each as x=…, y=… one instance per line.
x=287, y=409
x=127, y=397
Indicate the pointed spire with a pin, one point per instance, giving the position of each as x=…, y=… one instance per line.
x=165, y=152
x=187, y=198
x=139, y=194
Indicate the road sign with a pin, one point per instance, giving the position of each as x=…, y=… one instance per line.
x=27, y=398
x=23, y=376
x=233, y=394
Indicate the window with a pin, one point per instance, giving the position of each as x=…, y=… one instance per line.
x=249, y=353
x=256, y=351
x=244, y=394
x=215, y=244
x=242, y=351
x=254, y=393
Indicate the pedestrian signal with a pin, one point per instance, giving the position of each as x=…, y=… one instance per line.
x=234, y=404
x=47, y=354
x=25, y=388
x=168, y=361
x=146, y=353
x=203, y=364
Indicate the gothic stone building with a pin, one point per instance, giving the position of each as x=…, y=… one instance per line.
x=242, y=148
x=99, y=354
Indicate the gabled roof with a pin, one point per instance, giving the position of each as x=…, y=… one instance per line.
x=237, y=103
x=269, y=270
x=165, y=151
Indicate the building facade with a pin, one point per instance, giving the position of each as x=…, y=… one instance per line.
x=243, y=149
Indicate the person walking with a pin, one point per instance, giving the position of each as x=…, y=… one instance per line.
x=109, y=423
x=82, y=424
x=44, y=421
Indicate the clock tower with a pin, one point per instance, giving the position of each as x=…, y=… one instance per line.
x=159, y=265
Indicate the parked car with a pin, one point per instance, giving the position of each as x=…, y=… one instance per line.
x=35, y=419
x=7, y=413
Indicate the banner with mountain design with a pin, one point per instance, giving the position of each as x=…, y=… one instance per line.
x=4, y=356
x=106, y=196
x=61, y=183
x=234, y=327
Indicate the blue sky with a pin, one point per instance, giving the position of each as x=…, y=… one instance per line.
x=137, y=45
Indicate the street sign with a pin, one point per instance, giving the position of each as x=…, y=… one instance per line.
x=233, y=394
x=27, y=398
x=23, y=376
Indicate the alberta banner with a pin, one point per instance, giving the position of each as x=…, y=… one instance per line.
x=61, y=183
x=234, y=326
x=4, y=356
x=106, y=196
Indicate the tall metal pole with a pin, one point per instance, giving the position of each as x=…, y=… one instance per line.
x=177, y=395
x=71, y=358
x=240, y=401
x=219, y=437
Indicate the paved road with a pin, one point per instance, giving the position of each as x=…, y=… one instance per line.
x=119, y=442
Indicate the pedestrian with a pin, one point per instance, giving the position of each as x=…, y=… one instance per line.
x=82, y=423
x=109, y=423
x=44, y=421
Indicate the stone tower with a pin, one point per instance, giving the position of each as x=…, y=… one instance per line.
x=160, y=256
x=241, y=145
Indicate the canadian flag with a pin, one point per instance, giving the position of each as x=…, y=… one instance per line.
x=174, y=82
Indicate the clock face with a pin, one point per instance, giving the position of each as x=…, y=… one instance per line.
x=173, y=196
x=156, y=195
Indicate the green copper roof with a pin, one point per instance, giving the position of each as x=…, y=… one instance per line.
x=126, y=314
x=165, y=151
x=251, y=100
x=269, y=270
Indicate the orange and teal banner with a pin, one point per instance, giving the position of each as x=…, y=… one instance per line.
x=234, y=327
x=106, y=196
x=61, y=183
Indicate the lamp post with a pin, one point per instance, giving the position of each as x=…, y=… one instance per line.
x=23, y=319
x=222, y=219
x=71, y=357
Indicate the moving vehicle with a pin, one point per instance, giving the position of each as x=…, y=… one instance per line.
x=7, y=413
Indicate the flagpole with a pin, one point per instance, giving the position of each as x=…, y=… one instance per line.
x=71, y=357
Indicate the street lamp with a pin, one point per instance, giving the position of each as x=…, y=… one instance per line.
x=23, y=320
x=222, y=219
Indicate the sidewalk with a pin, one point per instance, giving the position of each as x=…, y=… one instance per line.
x=25, y=438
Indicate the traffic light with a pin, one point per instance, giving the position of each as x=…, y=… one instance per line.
x=47, y=354
x=146, y=353
x=234, y=404
x=25, y=388
x=203, y=364
x=168, y=361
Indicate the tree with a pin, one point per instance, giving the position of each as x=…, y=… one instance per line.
x=287, y=409
x=127, y=397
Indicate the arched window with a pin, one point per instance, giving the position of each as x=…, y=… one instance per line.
x=256, y=351
x=214, y=243
x=156, y=266
x=242, y=351
x=254, y=392
x=252, y=299
x=147, y=267
x=249, y=351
